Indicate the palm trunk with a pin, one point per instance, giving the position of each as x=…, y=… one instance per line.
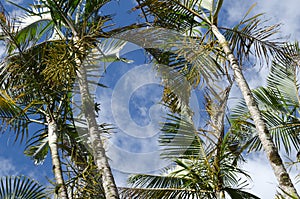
x=101, y=160
x=57, y=170
x=275, y=160
x=217, y=117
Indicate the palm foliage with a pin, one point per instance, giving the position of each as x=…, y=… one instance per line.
x=63, y=43
x=21, y=187
x=205, y=161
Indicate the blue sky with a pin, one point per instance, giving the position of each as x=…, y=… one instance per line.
x=133, y=147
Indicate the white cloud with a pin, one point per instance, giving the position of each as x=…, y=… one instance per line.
x=264, y=182
x=7, y=167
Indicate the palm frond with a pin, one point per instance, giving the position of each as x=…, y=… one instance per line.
x=235, y=193
x=179, y=138
x=160, y=187
x=252, y=37
x=181, y=62
x=189, y=177
x=37, y=148
x=31, y=28
x=21, y=187
x=170, y=14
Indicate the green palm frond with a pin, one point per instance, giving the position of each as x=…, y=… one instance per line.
x=235, y=193
x=180, y=61
x=21, y=187
x=179, y=138
x=79, y=17
x=32, y=27
x=8, y=107
x=37, y=148
x=178, y=17
x=151, y=186
x=250, y=37
x=181, y=15
x=12, y=116
x=191, y=177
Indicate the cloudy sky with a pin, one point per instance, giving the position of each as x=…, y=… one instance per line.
x=132, y=105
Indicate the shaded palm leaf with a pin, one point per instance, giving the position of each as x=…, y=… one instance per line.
x=181, y=63
x=189, y=178
x=235, y=193
x=177, y=18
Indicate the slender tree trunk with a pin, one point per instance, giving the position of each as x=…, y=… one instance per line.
x=101, y=160
x=279, y=169
x=217, y=122
x=57, y=170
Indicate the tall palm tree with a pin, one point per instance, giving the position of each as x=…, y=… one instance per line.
x=45, y=106
x=32, y=77
x=246, y=36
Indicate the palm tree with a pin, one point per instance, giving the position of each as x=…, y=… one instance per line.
x=247, y=35
x=43, y=92
x=47, y=107
x=21, y=187
x=79, y=25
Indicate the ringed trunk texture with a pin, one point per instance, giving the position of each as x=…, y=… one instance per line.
x=57, y=170
x=271, y=151
x=101, y=160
